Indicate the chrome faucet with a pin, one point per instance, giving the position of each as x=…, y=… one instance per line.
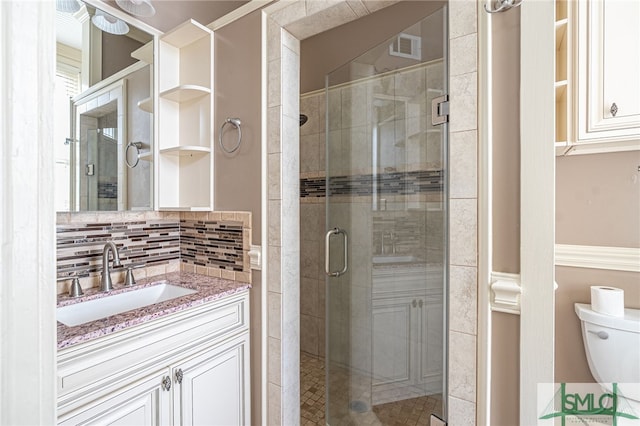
x=105, y=281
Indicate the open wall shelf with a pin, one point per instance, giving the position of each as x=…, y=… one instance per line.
x=185, y=164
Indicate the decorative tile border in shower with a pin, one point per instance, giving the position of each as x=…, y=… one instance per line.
x=396, y=183
x=210, y=243
x=108, y=190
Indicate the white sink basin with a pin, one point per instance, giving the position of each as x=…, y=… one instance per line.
x=394, y=258
x=91, y=310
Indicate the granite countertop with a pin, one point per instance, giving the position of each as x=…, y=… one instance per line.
x=208, y=289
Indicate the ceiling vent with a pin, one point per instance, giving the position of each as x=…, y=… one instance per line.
x=406, y=46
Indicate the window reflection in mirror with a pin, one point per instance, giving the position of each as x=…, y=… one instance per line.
x=103, y=95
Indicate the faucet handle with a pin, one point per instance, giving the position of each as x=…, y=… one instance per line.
x=75, y=290
x=129, y=279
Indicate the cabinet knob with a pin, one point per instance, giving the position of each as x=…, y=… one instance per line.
x=166, y=383
x=414, y=303
x=179, y=376
x=613, y=109
x=420, y=302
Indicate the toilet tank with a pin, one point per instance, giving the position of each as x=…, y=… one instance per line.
x=612, y=345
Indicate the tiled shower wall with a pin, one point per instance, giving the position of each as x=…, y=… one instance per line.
x=210, y=243
x=312, y=224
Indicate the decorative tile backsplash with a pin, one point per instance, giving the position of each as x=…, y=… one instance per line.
x=140, y=243
x=210, y=243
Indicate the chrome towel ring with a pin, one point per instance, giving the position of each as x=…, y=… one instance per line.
x=137, y=146
x=501, y=5
x=236, y=123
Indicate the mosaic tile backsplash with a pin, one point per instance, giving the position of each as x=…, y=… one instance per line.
x=140, y=243
x=214, y=243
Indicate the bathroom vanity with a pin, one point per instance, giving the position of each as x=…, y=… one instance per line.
x=407, y=331
x=181, y=361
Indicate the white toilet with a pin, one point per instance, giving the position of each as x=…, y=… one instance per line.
x=612, y=345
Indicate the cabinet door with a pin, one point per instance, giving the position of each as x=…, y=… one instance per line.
x=431, y=352
x=392, y=337
x=143, y=403
x=213, y=387
x=608, y=69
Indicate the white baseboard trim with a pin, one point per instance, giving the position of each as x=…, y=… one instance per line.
x=598, y=257
x=506, y=293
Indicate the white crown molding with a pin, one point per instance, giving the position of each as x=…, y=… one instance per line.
x=598, y=257
x=506, y=293
x=238, y=13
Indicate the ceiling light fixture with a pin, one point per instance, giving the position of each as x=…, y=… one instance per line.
x=109, y=23
x=142, y=8
x=68, y=6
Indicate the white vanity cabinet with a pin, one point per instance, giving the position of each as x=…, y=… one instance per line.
x=185, y=137
x=190, y=367
x=407, y=334
x=142, y=403
x=212, y=387
x=597, y=69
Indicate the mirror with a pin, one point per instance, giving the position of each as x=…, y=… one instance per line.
x=104, y=113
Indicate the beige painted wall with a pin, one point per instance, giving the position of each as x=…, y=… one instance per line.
x=598, y=199
x=323, y=53
x=505, y=370
x=505, y=345
x=506, y=141
x=237, y=94
x=169, y=14
x=116, y=53
x=238, y=176
x=597, y=203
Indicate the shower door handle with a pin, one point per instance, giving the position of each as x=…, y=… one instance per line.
x=327, y=251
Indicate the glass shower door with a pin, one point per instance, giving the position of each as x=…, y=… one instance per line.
x=386, y=251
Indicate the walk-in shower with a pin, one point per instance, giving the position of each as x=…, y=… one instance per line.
x=383, y=185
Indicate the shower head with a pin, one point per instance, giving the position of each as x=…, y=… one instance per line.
x=303, y=119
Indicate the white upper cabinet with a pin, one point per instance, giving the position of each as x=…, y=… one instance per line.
x=603, y=77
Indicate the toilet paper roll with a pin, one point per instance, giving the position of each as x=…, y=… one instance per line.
x=607, y=300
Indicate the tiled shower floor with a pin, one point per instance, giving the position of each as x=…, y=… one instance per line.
x=415, y=411
x=312, y=390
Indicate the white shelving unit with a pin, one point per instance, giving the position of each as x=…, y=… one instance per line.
x=185, y=152
x=562, y=88
x=144, y=53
